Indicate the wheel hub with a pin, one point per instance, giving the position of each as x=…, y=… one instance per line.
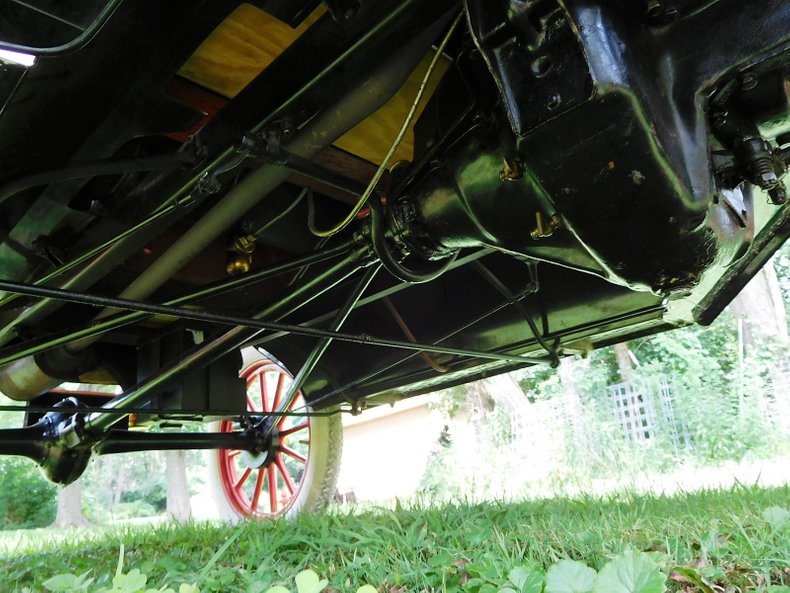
x=265, y=457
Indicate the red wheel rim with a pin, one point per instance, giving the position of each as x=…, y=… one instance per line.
x=267, y=491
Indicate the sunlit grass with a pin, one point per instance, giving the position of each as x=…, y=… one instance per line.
x=728, y=533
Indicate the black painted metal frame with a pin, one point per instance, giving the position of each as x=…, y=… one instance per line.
x=680, y=171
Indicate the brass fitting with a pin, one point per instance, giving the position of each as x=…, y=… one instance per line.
x=511, y=171
x=545, y=228
x=240, y=255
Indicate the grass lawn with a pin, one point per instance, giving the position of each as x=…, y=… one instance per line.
x=734, y=540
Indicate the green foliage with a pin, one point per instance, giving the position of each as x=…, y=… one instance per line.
x=26, y=498
x=525, y=580
x=782, y=265
x=719, y=407
x=630, y=572
x=570, y=576
x=133, y=485
x=133, y=581
x=308, y=581
x=735, y=540
x=452, y=403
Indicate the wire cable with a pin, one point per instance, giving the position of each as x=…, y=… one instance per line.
x=283, y=214
x=398, y=139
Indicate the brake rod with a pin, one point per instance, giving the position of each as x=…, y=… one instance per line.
x=480, y=317
x=168, y=413
x=318, y=350
x=573, y=332
x=232, y=339
x=38, y=345
x=246, y=322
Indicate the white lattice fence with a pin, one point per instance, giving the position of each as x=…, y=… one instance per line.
x=677, y=429
x=633, y=404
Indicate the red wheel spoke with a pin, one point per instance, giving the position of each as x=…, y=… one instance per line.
x=279, y=393
x=289, y=483
x=264, y=394
x=256, y=494
x=294, y=428
x=242, y=479
x=290, y=452
x=272, y=488
x=280, y=481
x=290, y=407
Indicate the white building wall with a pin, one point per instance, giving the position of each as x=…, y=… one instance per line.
x=385, y=450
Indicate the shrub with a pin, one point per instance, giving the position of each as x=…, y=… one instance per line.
x=26, y=498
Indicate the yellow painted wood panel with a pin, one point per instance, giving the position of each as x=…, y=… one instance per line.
x=372, y=138
x=250, y=39
x=247, y=41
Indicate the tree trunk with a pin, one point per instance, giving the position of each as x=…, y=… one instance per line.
x=480, y=401
x=566, y=373
x=70, y=506
x=761, y=307
x=178, y=506
x=623, y=356
x=762, y=325
x=120, y=480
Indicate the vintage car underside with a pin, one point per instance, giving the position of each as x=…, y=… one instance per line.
x=389, y=196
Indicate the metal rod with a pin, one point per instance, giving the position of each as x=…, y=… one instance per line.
x=481, y=317
x=116, y=321
x=77, y=43
x=229, y=341
x=94, y=251
x=83, y=278
x=318, y=351
x=127, y=441
x=401, y=286
x=245, y=280
x=164, y=412
x=499, y=286
x=571, y=331
x=89, y=169
x=319, y=132
x=320, y=173
x=256, y=322
x=439, y=368
x=286, y=107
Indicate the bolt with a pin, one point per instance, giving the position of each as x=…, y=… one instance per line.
x=719, y=119
x=749, y=82
x=655, y=8
x=511, y=171
x=778, y=194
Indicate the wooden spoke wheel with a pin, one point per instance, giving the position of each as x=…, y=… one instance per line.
x=299, y=469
